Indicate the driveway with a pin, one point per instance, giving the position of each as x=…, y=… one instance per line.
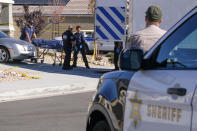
x=52, y=80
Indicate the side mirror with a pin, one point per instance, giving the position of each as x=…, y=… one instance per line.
x=131, y=59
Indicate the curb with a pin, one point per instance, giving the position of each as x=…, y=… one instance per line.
x=42, y=92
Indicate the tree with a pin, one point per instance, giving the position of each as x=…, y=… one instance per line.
x=92, y=6
x=36, y=15
x=57, y=7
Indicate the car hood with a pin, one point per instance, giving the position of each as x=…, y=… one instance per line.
x=118, y=75
x=13, y=41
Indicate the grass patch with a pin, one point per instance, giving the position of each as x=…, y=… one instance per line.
x=49, y=54
x=111, y=57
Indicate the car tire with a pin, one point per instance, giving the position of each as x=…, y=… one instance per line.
x=4, y=55
x=101, y=126
x=35, y=60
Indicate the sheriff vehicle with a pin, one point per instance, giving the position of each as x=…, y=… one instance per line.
x=155, y=91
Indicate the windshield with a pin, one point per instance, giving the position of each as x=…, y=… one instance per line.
x=89, y=34
x=3, y=35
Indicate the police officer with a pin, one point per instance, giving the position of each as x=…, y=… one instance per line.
x=79, y=46
x=68, y=40
x=117, y=49
x=147, y=37
x=28, y=32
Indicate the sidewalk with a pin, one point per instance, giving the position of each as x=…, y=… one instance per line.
x=53, y=81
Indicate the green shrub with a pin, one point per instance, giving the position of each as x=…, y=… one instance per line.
x=111, y=57
x=49, y=54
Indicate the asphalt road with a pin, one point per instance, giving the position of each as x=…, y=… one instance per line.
x=59, y=113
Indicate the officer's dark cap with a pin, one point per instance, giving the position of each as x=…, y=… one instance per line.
x=154, y=13
x=31, y=22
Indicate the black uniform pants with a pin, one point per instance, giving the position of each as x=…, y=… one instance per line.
x=118, y=46
x=67, y=58
x=83, y=52
x=116, y=56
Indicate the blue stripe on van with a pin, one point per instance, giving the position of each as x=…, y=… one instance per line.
x=101, y=33
x=118, y=14
x=109, y=30
x=89, y=39
x=109, y=17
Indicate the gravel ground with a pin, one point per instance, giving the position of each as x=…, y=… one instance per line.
x=102, y=61
x=13, y=74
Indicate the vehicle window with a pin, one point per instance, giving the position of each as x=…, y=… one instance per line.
x=3, y=35
x=180, y=49
x=88, y=34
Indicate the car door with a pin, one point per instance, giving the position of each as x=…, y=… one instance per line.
x=194, y=109
x=159, y=98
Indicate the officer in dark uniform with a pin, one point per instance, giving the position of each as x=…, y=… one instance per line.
x=117, y=49
x=79, y=46
x=28, y=32
x=68, y=40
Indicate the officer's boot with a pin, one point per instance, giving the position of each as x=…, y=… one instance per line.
x=87, y=66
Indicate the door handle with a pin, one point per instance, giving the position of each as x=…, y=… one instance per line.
x=177, y=91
